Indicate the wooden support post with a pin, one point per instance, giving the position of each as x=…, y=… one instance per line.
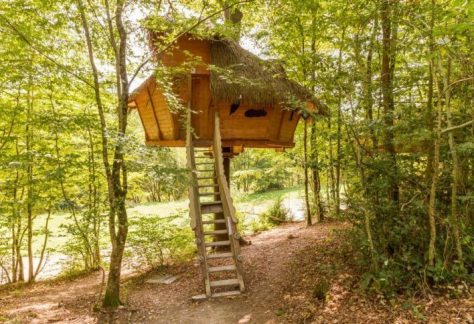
x=227, y=169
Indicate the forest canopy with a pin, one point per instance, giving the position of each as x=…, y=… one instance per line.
x=394, y=156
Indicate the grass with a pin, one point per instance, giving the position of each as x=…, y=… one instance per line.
x=267, y=195
x=242, y=201
x=249, y=206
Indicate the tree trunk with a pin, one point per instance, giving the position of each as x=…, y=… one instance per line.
x=331, y=178
x=315, y=175
x=388, y=65
x=433, y=158
x=305, y=166
x=39, y=266
x=337, y=201
x=29, y=199
x=117, y=173
x=232, y=16
x=454, y=219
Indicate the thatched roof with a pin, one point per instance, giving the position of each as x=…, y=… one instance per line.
x=235, y=71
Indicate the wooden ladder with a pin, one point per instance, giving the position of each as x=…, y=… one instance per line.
x=217, y=238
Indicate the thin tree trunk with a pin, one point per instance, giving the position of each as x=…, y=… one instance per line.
x=15, y=226
x=93, y=201
x=119, y=171
x=315, y=175
x=454, y=219
x=368, y=212
x=116, y=192
x=433, y=158
x=45, y=244
x=29, y=199
x=388, y=65
x=305, y=166
x=331, y=177
x=19, y=239
x=368, y=96
x=337, y=201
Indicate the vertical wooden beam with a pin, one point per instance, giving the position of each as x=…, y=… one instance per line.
x=147, y=137
x=280, y=125
x=150, y=100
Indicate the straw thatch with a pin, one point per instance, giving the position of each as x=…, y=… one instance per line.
x=235, y=71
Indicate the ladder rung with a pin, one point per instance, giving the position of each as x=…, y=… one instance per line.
x=214, y=221
x=204, y=163
x=209, y=194
x=204, y=178
x=218, y=243
x=216, y=232
x=203, y=157
x=226, y=294
x=208, y=186
x=219, y=255
x=226, y=282
x=212, y=209
x=222, y=268
x=210, y=203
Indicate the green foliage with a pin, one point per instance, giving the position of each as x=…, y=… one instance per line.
x=277, y=213
x=156, y=176
x=391, y=236
x=51, y=159
x=259, y=170
x=154, y=241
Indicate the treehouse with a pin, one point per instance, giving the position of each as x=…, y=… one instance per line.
x=219, y=99
x=221, y=75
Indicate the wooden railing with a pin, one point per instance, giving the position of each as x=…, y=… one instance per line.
x=191, y=165
x=194, y=206
x=226, y=199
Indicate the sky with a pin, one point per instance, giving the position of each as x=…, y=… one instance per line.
x=137, y=14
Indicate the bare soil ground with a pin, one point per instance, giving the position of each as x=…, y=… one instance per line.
x=285, y=269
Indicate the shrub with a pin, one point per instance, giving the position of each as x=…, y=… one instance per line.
x=152, y=241
x=277, y=213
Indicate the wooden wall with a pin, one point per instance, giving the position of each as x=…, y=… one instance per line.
x=276, y=127
x=187, y=49
x=157, y=119
x=162, y=127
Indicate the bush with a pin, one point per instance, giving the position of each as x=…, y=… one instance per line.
x=152, y=241
x=277, y=213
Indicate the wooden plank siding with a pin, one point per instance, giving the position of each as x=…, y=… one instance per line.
x=240, y=127
x=164, y=128
x=181, y=52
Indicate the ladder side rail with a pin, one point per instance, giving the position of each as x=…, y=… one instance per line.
x=194, y=207
x=226, y=199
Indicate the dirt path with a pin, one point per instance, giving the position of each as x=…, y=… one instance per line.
x=265, y=263
x=282, y=269
x=68, y=301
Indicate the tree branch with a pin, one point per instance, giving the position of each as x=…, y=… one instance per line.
x=453, y=128
x=200, y=21
x=39, y=51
